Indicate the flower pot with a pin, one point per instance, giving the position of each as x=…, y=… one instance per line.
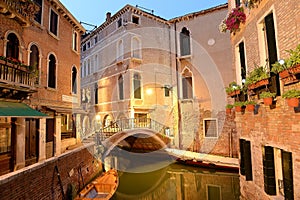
x=295, y=69
x=283, y=74
x=250, y=107
x=228, y=110
x=234, y=93
x=292, y=102
x=238, y=108
x=268, y=101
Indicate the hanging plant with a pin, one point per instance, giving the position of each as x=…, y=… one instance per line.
x=233, y=20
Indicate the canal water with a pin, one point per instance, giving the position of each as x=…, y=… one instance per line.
x=157, y=176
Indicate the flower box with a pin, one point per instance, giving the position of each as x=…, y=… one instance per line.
x=258, y=84
x=234, y=93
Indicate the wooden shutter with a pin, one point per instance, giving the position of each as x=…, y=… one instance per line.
x=242, y=157
x=287, y=170
x=248, y=162
x=269, y=171
x=272, y=51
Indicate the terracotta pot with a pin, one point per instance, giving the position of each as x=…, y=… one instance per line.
x=250, y=107
x=292, y=102
x=268, y=101
x=228, y=110
x=295, y=69
x=284, y=74
x=238, y=108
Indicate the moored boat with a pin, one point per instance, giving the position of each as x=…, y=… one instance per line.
x=102, y=188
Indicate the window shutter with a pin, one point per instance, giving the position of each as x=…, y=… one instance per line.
x=287, y=169
x=242, y=157
x=269, y=171
x=248, y=162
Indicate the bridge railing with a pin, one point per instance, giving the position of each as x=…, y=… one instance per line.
x=132, y=123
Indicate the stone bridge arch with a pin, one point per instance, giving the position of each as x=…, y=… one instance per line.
x=111, y=142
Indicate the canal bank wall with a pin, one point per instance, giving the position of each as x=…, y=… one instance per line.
x=52, y=178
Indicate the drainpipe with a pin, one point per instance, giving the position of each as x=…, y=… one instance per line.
x=177, y=81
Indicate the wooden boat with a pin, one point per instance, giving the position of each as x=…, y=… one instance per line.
x=102, y=188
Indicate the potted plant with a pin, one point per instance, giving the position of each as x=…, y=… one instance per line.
x=267, y=97
x=292, y=97
x=257, y=78
x=250, y=105
x=238, y=106
x=233, y=89
x=288, y=67
x=228, y=108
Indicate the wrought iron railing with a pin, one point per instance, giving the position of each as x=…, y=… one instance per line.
x=131, y=123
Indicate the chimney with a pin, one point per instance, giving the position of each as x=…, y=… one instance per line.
x=108, y=15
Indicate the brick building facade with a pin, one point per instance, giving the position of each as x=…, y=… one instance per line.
x=269, y=136
x=40, y=60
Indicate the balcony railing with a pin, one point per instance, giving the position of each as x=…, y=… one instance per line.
x=16, y=75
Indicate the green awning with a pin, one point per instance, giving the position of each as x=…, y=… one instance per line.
x=12, y=109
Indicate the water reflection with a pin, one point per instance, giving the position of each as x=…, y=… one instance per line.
x=179, y=182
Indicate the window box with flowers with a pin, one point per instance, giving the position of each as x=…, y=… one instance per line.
x=233, y=20
x=257, y=78
x=233, y=89
x=289, y=69
x=267, y=97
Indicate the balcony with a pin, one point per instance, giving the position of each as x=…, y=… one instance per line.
x=22, y=11
x=16, y=81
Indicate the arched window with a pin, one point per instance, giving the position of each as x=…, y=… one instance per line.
x=107, y=121
x=12, y=47
x=120, y=51
x=121, y=87
x=74, y=80
x=137, y=86
x=187, y=84
x=34, y=61
x=185, y=48
x=136, y=48
x=52, y=72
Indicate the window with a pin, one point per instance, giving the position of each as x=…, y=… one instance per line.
x=75, y=40
x=120, y=51
x=38, y=15
x=121, y=87
x=237, y=3
x=210, y=128
x=96, y=93
x=89, y=45
x=84, y=69
x=269, y=170
x=137, y=86
x=84, y=47
x=89, y=67
x=96, y=40
x=136, y=49
x=242, y=60
x=53, y=22
x=120, y=22
x=12, y=47
x=52, y=71
x=34, y=61
x=185, y=42
x=74, y=80
x=5, y=135
x=135, y=19
x=245, y=156
x=213, y=192
x=187, y=84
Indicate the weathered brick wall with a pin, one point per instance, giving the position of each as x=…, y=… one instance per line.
x=278, y=127
x=40, y=181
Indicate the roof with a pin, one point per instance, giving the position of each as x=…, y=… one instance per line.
x=122, y=11
x=67, y=15
x=196, y=14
